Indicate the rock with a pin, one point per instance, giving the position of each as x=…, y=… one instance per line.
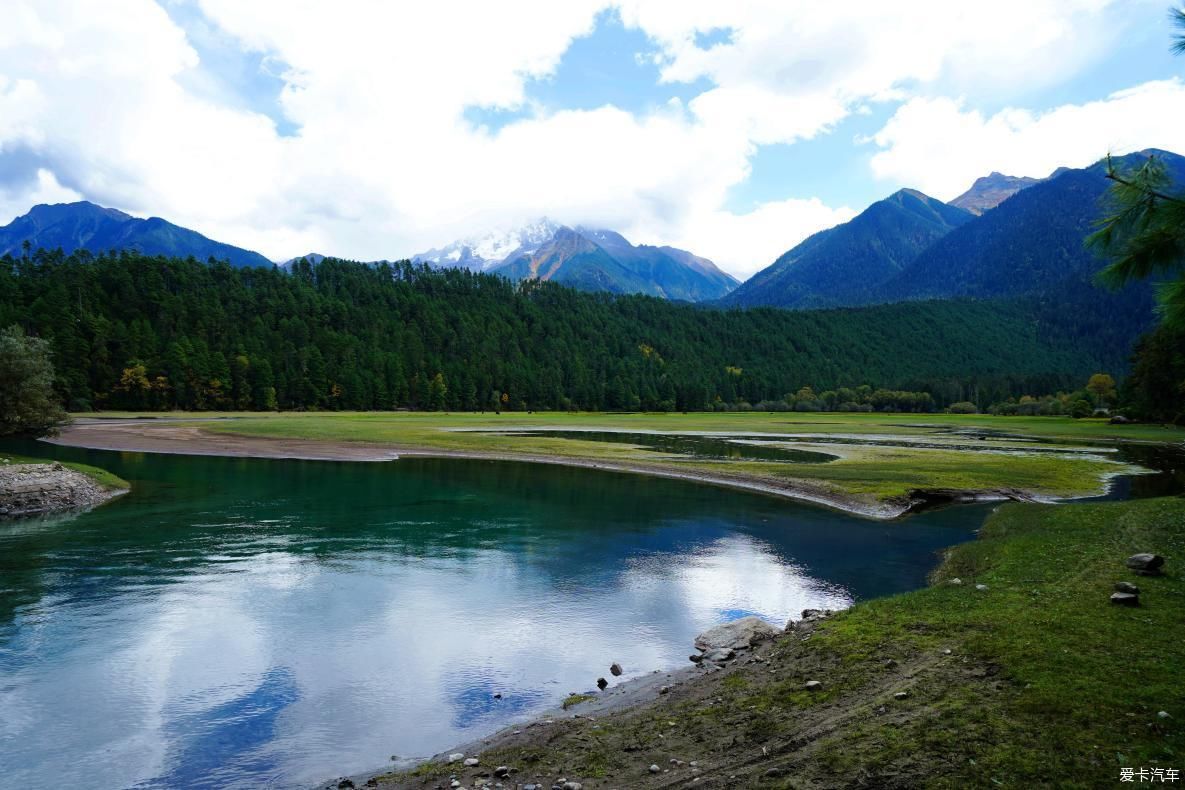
x=775, y=772
x=981, y=587
x=955, y=582
x=1127, y=587
x=946, y=651
x=695, y=659
x=1125, y=599
x=813, y=685
x=497, y=696
x=372, y=782
x=654, y=768
x=33, y=489
x=1145, y=564
x=470, y=762
x=602, y=684
x=738, y=635
x=720, y=654
x=665, y=690
x=890, y=663
x=1119, y=419
x=454, y=783
x=615, y=669
x=573, y=786
x=452, y=758
x=901, y=695
x=1164, y=714
x=815, y=614
x=501, y=772
x=344, y=784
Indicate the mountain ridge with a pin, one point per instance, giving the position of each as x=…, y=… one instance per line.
x=83, y=225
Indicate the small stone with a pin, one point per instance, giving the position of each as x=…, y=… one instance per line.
x=573, y=786
x=455, y=783
x=813, y=685
x=654, y=768
x=1125, y=599
x=1127, y=587
x=615, y=669
x=946, y=651
x=1164, y=714
x=693, y=764
x=1145, y=564
x=344, y=784
x=497, y=696
x=890, y=663
x=773, y=772
x=665, y=690
x=602, y=684
x=955, y=582
x=695, y=659
x=470, y=762
x=372, y=782
x=901, y=695
x=501, y=772
x=981, y=587
x=452, y=758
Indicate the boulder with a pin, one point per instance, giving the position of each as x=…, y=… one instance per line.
x=1125, y=599
x=602, y=684
x=452, y=758
x=615, y=669
x=737, y=635
x=1127, y=587
x=1146, y=564
x=470, y=762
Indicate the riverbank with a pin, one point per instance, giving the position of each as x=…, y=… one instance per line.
x=877, y=469
x=34, y=487
x=1012, y=670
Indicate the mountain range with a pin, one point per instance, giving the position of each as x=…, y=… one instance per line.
x=591, y=259
x=1005, y=238
x=86, y=226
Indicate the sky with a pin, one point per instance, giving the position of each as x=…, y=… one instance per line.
x=368, y=129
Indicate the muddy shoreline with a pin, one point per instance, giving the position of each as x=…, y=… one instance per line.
x=161, y=437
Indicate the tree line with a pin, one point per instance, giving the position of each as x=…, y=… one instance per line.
x=129, y=331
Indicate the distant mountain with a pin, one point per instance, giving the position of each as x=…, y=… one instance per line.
x=482, y=253
x=847, y=264
x=85, y=226
x=990, y=191
x=1031, y=243
x=313, y=258
x=591, y=259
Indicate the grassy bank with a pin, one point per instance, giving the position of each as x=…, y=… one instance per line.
x=870, y=473
x=102, y=477
x=1035, y=681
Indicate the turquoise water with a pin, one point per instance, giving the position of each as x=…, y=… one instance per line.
x=246, y=623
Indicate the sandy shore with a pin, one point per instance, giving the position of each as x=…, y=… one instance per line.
x=157, y=436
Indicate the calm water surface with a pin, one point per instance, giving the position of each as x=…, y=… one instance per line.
x=246, y=623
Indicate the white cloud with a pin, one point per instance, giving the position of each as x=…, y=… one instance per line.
x=384, y=162
x=941, y=147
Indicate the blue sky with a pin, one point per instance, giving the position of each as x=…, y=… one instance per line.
x=730, y=129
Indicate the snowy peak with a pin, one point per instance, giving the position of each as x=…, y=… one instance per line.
x=482, y=253
x=595, y=259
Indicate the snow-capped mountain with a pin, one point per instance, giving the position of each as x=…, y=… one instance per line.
x=592, y=259
x=482, y=253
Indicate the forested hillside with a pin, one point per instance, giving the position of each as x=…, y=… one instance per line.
x=148, y=332
x=846, y=265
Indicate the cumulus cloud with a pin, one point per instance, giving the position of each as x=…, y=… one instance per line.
x=940, y=146
x=384, y=163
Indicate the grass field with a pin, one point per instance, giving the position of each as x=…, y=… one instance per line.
x=868, y=473
x=1035, y=681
